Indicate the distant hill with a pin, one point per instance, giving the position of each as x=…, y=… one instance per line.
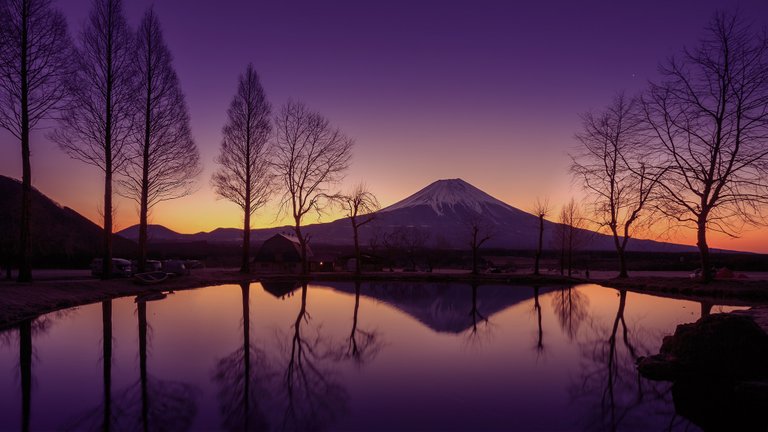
x=60, y=235
x=440, y=210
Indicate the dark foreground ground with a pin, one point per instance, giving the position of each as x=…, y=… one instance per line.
x=60, y=289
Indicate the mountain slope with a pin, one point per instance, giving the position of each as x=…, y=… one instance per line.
x=441, y=212
x=60, y=235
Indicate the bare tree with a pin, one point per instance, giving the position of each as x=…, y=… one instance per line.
x=163, y=160
x=709, y=117
x=541, y=209
x=613, y=170
x=34, y=58
x=479, y=230
x=244, y=175
x=97, y=123
x=570, y=234
x=408, y=240
x=311, y=155
x=359, y=205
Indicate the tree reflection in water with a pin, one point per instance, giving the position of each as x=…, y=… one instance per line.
x=540, y=332
x=23, y=334
x=571, y=307
x=256, y=393
x=152, y=403
x=245, y=380
x=362, y=345
x=609, y=377
x=147, y=404
x=313, y=400
x=104, y=416
x=480, y=329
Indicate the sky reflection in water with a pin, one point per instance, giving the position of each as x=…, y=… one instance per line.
x=340, y=356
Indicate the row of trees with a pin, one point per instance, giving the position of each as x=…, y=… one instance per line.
x=296, y=152
x=116, y=98
x=691, y=149
x=120, y=107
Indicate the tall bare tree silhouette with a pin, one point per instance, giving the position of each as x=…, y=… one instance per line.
x=359, y=206
x=244, y=175
x=35, y=49
x=311, y=156
x=479, y=230
x=97, y=123
x=162, y=158
x=613, y=167
x=541, y=209
x=709, y=119
x=570, y=234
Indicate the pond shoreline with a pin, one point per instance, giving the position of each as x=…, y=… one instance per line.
x=20, y=302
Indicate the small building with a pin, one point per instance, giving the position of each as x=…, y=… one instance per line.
x=280, y=253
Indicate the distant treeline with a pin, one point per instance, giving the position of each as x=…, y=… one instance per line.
x=503, y=260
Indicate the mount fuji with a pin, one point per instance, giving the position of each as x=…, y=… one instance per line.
x=441, y=211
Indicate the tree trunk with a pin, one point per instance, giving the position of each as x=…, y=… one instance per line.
x=703, y=251
x=144, y=205
x=107, y=257
x=474, y=260
x=570, y=251
x=106, y=263
x=25, y=247
x=623, y=274
x=108, y=168
x=143, y=236
x=357, y=247
x=245, y=265
x=303, y=243
x=540, y=247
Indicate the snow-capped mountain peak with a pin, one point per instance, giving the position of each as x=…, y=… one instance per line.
x=445, y=195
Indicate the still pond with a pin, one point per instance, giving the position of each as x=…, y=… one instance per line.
x=341, y=356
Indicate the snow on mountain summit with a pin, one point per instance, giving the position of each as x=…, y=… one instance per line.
x=445, y=195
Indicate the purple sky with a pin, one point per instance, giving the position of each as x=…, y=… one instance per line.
x=486, y=91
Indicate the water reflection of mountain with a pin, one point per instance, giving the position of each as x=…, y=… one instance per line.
x=443, y=307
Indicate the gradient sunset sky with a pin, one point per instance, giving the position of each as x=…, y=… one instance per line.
x=489, y=92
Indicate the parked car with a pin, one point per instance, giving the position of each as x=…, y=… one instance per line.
x=120, y=267
x=151, y=265
x=175, y=267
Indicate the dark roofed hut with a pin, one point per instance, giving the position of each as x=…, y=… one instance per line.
x=280, y=253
